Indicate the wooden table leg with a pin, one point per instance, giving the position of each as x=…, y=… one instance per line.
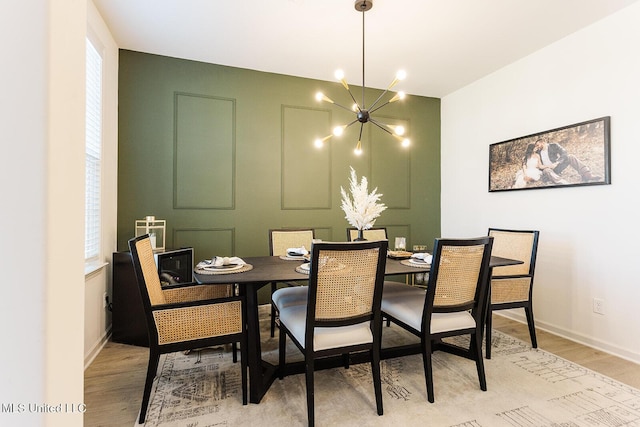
x=261, y=374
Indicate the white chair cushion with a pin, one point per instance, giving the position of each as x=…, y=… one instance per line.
x=285, y=297
x=444, y=322
x=294, y=318
x=390, y=287
x=406, y=304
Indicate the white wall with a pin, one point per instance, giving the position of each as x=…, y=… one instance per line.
x=23, y=172
x=588, y=235
x=64, y=212
x=42, y=122
x=98, y=319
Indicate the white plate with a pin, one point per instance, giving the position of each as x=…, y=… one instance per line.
x=223, y=267
x=292, y=254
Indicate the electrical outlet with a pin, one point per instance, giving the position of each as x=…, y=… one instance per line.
x=104, y=300
x=598, y=305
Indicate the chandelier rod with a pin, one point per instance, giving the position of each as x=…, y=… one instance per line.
x=363, y=9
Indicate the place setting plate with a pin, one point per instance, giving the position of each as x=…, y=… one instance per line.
x=210, y=268
x=293, y=257
x=223, y=267
x=415, y=262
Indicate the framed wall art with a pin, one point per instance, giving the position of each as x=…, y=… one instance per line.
x=573, y=155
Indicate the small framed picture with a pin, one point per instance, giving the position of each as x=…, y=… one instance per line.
x=577, y=154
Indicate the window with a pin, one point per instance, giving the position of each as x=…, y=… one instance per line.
x=93, y=155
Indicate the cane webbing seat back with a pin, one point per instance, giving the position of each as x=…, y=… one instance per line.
x=377, y=233
x=281, y=240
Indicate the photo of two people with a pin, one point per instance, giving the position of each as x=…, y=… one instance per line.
x=573, y=155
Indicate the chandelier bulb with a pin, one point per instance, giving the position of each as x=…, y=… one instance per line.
x=398, y=96
x=399, y=130
x=322, y=97
x=339, y=75
x=400, y=75
x=358, y=150
x=338, y=130
x=319, y=142
x=405, y=142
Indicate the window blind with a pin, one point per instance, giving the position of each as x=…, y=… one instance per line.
x=93, y=154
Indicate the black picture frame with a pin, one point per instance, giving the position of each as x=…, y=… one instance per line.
x=577, y=155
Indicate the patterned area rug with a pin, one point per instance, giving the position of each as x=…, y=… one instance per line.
x=526, y=387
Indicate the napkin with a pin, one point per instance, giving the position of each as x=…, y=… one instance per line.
x=297, y=251
x=220, y=261
x=426, y=257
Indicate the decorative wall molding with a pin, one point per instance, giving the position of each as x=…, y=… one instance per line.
x=305, y=171
x=204, y=155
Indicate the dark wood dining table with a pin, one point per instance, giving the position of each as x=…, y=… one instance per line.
x=267, y=269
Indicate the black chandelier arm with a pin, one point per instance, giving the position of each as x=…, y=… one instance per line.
x=373, y=106
x=342, y=106
x=386, y=103
x=361, y=126
x=381, y=126
x=347, y=126
x=354, y=101
x=351, y=123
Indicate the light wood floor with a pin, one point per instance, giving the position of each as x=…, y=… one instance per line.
x=114, y=381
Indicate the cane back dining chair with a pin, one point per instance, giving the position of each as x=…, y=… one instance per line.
x=279, y=241
x=342, y=312
x=452, y=305
x=377, y=233
x=512, y=286
x=187, y=316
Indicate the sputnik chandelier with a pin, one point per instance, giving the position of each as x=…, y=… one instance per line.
x=364, y=114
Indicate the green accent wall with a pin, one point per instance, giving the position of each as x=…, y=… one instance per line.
x=223, y=154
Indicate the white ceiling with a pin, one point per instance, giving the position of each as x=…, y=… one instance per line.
x=442, y=44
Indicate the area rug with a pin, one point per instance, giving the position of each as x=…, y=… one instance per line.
x=526, y=387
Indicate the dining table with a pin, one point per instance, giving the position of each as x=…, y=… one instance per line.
x=267, y=269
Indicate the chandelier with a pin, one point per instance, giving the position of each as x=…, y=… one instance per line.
x=363, y=115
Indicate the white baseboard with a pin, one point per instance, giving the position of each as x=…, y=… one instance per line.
x=572, y=336
x=97, y=348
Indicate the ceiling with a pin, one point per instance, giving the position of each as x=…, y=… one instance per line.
x=443, y=45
